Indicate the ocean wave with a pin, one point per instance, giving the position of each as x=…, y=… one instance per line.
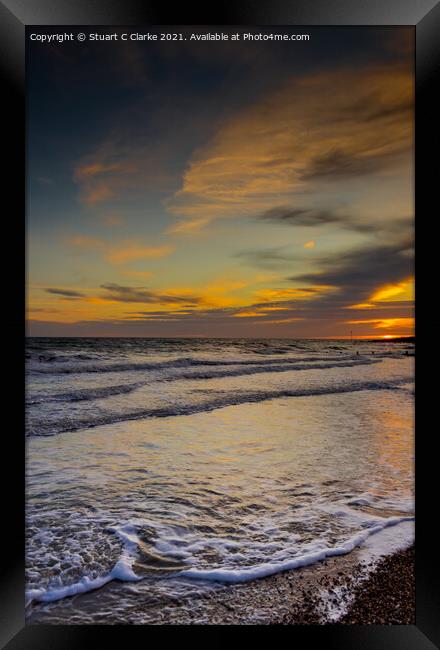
x=189, y=362
x=85, y=394
x=245, y=574
x=213, y=374
x=46, y=357
x=221, y=400
x=123, y=569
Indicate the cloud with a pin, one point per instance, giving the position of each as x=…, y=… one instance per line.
x=127, y=160
x=267, y=258
x=336, y=164
x=248, y=314
x=331, y=127
x=395, y=292
x=386, y=323
x=97, y=179
x=360, y=272
x=189, y=226
x=42, y=310
x=283, y=320
x=361, y=305
x=118, y=293
x=66, y=293
x=130, y=252
x=376, y=277
x=289, y=295
x=312, y=217
x=125, y=251
x=284, y=311
x=309, y=244
x=86, y=171
x=300, y=216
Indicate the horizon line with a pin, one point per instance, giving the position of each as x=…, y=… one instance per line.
x=269, y=338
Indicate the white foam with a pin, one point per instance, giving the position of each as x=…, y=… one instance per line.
x=388, y=541
x=252, y=573
x=123, y=570
x=335, y=604
x=84, y=585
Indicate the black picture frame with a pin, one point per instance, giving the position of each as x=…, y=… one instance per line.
x=15, y=15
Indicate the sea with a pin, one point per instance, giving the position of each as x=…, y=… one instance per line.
x=161, y=470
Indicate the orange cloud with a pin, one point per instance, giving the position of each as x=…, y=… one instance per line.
x=223, y=292
x=361, y=305
x=100, y=176
x=267, y=152
x=309, y=244
x=130, y=252
x=126, y=251
x=274, y=295
x=275, y=308
x=395, y=292
x=189, y=226
x=282, y=320
x=389, y=293
x=117, y=165
x=93, y=169
x=248, y=314
x=385, y=323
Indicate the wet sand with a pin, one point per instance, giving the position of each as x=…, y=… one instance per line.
x=340, y=590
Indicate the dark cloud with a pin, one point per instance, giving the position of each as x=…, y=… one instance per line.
x=376, y=106
x=390, y=112
x=142, y=295
x=340, y=164
x=267, y=258
x=300, y=216
x=351, y=278
x=312, y=217
x=66, y=293
x=358, y=273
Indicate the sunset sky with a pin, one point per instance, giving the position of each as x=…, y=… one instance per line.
x=222, y=189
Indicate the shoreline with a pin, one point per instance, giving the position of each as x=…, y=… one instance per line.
x=344, y=590
x=388, y=596
x=383, y=594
